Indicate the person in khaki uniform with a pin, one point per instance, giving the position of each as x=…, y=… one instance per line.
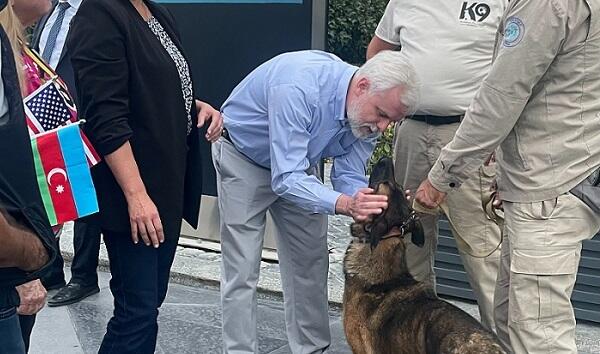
x=451, y=44
x=540, y=103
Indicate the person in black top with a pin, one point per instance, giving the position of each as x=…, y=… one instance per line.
x=86, y=235
x=135, y=90
x=26, y=238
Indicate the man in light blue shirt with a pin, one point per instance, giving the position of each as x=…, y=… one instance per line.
x=280, y=121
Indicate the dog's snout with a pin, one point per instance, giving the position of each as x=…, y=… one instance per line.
x=383, y=171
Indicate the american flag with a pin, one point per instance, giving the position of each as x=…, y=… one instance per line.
x=49, y=107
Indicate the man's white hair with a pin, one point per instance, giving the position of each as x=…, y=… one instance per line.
x=389, y=69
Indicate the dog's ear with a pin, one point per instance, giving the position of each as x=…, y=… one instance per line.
x=417, y=235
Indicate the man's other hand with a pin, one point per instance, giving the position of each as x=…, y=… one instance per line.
x=428, y=196
x=33, y=297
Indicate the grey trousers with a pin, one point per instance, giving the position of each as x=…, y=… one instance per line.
x=245, y=196
x=417, y=146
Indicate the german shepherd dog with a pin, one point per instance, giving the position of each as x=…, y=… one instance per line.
x=386, y=311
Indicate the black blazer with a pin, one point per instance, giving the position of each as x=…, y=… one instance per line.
x=64, y=69
x=19, y=192
x=129, y=90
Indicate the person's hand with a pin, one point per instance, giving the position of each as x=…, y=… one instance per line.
x=364, y=204
x=428, y=196
x=33, y=297
x=207, y=113
x=497, y=201
x=408, y=195
x=144, y=220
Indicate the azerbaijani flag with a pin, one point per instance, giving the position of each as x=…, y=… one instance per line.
x=63, y=174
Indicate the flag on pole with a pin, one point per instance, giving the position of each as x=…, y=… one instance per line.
x=49, y=107
x=63, y=174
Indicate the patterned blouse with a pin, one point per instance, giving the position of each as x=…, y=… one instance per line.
x=180, y=62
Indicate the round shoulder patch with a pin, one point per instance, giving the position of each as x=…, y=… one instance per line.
x=513, y=31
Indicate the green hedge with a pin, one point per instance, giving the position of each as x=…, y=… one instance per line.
x=351, y=25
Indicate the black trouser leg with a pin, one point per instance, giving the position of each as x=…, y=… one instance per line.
x=55, y=276
x=26, y=322
x=86, y=242
x=140, y=277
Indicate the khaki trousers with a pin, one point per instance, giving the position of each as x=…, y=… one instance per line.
x=540, y=256
x=417, y=146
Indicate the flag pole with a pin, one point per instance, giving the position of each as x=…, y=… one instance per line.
x=79, y=122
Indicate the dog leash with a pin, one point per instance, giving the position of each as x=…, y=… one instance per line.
x=460, y=240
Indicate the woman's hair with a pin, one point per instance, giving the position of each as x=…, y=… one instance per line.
x=389, y=69
x=15, y=32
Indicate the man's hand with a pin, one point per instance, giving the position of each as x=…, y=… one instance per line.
x=207, y=113
x=428, y=196
x=362, y=205
x=19, y=246
x=33, y=297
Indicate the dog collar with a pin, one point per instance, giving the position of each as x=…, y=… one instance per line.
x=405, y=227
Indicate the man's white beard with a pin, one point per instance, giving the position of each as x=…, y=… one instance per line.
x=363, y=131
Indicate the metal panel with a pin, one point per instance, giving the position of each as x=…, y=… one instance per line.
x=452, y=279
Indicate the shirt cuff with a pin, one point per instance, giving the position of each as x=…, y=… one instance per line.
x=442, y=180
x=330, y=197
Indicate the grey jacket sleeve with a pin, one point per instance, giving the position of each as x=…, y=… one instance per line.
x=527, y=42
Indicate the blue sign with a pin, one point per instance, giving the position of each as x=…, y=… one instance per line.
x=230, y=1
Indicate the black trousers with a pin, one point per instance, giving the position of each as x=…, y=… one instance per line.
x=26, y=322
x=140, y=277
x=86, y=242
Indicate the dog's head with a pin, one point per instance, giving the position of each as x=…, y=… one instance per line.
x=398, y=218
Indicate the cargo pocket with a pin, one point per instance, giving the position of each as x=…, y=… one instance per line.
x=541, y=282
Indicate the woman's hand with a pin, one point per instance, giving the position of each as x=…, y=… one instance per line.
x=143, y=215
x=33, y=297
x=207, y=113
x=144, y=220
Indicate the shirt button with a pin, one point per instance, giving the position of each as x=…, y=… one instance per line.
x=452, y=184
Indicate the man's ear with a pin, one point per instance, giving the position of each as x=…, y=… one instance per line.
x=362, y=85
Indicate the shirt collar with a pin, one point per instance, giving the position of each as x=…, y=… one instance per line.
x=342, y=93
x=73, y=3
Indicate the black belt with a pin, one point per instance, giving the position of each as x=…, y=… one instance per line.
x=226, y=135
x=437, y=120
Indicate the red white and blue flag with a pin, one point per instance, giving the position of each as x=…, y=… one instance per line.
x=63, y=174
x=50, y=107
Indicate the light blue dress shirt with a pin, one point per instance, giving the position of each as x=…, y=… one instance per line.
x=287, y=115
x=62, y=34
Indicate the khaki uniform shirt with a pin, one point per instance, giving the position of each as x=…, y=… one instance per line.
x=540, y=103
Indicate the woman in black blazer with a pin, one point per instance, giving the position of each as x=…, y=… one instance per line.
x=135, y=91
